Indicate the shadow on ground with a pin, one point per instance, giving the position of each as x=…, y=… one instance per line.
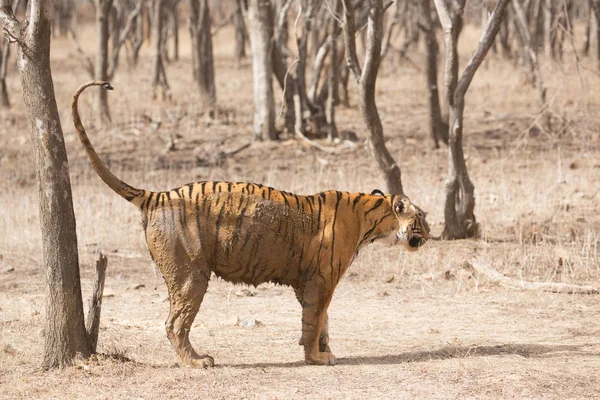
x=443, y=353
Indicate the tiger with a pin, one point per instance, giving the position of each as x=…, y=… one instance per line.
x=250, y=233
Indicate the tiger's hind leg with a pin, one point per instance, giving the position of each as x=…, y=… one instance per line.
x=324, y=337
x=315, y=301
x=185, y=303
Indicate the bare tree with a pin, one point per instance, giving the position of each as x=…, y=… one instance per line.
x=202, y=52
x=333, y=75
x=366, y=79
x=241, y=34
x=438, y=127
x=114, y=20
x=65, y=330
x=460, y=200
x=159, y=75
x=101, y=65
x=529, y=55
x=64, y=11
x=4, y=54
x=260, y=18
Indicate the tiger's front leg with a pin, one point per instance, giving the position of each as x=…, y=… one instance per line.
x=315, y=302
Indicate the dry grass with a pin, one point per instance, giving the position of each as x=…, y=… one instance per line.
x=399, y=328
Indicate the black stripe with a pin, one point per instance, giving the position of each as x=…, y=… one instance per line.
x=356, y=200
x=198, y=215
x=378, y=203
x=203, y=188
x=217, y=228
x=229, y=187
x=190, y=188
x=214, y=186
x=148, y=200
x=319, y=213
x=158, y=197
x=339, y=197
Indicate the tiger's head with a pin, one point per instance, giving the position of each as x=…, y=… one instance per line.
x=409, y=226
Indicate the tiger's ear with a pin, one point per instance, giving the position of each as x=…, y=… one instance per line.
x=377, y=192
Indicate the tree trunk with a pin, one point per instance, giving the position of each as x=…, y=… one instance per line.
x=366, y=80
x=333, y=73
x=596, y=10
x=159, y=76
x=260, y=19
x=175, y=28
x=65, y=331
x=137, y=38
x=438, y=128
x=288, y=85
x=4, y=53
x=549, y=30
x=460, y=200
x=202, y=53
x=103, y=8
x=241, y=34
x=520, y=21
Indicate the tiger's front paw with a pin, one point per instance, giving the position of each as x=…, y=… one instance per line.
x=320, y=358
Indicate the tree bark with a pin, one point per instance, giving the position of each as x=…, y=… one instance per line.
x=333, y=75
x=241, y=34
x=159, y=76
x=366, y=79
x=438, y=128
x=65, y=331
x=103, y=8
x=92, y=322
x=260, y=19
x=202, y=53
x=535, y=72
x=460, y=200
x=4, y=54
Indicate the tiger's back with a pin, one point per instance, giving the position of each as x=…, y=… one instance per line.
x=249, y=233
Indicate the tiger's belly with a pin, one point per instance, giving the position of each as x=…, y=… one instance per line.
x=258, y=247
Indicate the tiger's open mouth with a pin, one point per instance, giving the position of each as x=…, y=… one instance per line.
x=416, y=241
x=417, y=237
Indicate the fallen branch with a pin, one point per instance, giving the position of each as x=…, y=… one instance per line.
x=92, y=323
x=485, y=269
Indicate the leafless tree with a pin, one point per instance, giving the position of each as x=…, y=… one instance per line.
x=460, y=200
x=438, y=126
x=366, y=79
x=4, y=54
x=529, y=55
x=103, y=8
x=596, y=9
x=241, y=33
x=260, y=19
x=202, y=52
x=159, y=75
x=65, y=330
x=64, y=12
x=115, y=20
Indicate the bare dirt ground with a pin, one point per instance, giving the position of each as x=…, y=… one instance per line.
x=402, y=325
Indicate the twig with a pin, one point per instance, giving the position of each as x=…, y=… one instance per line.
x=494, y=276
x=92, y=323
x=88, y=63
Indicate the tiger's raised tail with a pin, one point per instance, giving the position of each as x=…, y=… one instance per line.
x=129, y=193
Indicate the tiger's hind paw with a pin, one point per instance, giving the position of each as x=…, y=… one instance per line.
x=321, y=358
x=204, y=361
